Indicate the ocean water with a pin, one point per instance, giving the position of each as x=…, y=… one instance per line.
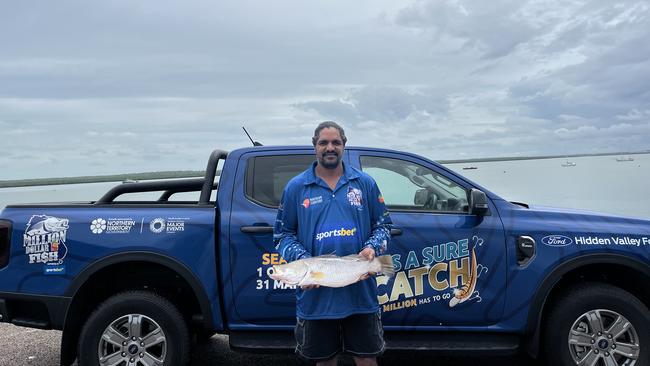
x=596, y=183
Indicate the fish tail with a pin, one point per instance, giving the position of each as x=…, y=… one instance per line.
x=386, y=262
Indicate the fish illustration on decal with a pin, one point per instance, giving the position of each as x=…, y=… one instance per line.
x=45, y=224
x=44, y=239
x=465, y=292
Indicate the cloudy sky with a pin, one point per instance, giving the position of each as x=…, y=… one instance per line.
x=90, y=87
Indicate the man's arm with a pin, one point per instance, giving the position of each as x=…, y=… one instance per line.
x=380, y=221
x=286, y=229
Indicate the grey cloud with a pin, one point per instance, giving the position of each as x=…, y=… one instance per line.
x=635, y=115
x=493, y=28
x=136, y=134
x=199, y=49
x=333, y=109
x=602, y=87
x=383, y=104
x=143, y=86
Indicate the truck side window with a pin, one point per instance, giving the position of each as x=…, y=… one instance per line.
x=266, y=176
x=409, y=186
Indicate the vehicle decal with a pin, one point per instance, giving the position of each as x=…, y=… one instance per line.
x=612, y=240
x=169, y=225
x=466, y=291
x=157, y=225
x=440, y=267
x=97, y=226
x=112, y=225
x=557, y=240
x=448, y=272
x=44, y=239
x=54, y=270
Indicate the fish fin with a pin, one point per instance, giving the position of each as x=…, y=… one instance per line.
x=387, y=268
x=326, y=256
x=317, y=275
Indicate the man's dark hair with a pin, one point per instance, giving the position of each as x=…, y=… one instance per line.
x=328, y=124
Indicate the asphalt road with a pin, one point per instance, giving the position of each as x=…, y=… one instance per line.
x=25, y=346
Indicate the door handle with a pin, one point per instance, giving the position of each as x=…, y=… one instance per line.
x=395, y=232
x=257, y=229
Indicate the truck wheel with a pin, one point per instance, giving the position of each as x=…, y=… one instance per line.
x=134, y=328
x=598, y=324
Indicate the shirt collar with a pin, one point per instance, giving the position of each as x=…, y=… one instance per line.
x=311, y=178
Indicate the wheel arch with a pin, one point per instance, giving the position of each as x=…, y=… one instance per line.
x=603, y=267
x=84, y=298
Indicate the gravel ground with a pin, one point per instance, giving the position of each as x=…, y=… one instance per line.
x=25, y=346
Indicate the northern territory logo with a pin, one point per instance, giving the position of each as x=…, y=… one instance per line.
x=112, y=225
x=98, y=225
x=557, y=240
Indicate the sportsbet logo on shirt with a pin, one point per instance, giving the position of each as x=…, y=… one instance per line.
x=336, y=233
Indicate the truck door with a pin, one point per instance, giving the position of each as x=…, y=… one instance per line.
x=262, y=176
x=450, y=265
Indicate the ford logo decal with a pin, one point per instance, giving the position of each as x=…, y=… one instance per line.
x=557, y=240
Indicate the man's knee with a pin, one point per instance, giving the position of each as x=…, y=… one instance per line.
x=330, y=362
x=365, y=361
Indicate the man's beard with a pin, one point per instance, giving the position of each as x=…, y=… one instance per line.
x=329, y=164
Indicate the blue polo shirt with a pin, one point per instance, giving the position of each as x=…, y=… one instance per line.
x=315, y=220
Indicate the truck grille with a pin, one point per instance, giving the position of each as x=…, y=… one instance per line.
x=5, y=241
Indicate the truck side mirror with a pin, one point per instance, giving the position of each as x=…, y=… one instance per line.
x=478, y=204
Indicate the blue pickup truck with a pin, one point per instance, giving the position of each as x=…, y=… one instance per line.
x=133, y=282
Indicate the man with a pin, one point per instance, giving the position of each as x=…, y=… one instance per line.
x=345, y=202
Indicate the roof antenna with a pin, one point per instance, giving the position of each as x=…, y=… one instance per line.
x=255, y=143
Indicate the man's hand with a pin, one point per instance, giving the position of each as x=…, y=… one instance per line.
x=369, y=254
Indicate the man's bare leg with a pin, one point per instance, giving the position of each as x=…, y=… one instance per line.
x=365, y=361
x=330, y=362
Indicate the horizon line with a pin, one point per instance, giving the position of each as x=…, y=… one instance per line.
x=172, y=174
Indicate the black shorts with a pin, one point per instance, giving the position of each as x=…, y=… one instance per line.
x=360, y=335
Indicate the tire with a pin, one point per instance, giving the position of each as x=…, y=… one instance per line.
x=582, y=312
x=120, y=326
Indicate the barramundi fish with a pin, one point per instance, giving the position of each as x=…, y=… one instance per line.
x=330, y=270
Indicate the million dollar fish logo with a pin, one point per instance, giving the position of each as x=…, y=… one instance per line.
x=44, y=239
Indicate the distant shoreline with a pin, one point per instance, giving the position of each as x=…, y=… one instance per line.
x=101, y=178
x=201, y=173
x=510, y=158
